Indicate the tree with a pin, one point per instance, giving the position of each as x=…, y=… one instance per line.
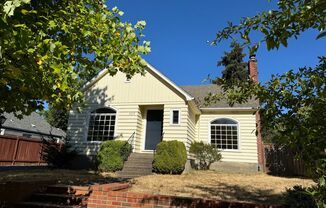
x=49, y=48
x=57, y=117
x=292, y=104
x=276, y=26
x=235, y=70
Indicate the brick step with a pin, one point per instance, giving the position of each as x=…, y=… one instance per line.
x=148, y=155
x=69, y=199
x=48, y=205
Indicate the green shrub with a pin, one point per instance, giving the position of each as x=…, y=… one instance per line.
x=112, y=155
x=170, y=157
x=298, y=197
x=206, y=154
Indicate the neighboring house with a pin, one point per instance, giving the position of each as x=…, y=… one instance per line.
x=32, y=126
x=151, y=108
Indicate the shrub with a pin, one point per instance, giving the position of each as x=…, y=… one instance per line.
x=112, y=155
x=298, y=197
x=206, y=154
x=57, y=155
x=170, y=157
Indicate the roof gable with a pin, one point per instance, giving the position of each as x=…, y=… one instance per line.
x=150, y=69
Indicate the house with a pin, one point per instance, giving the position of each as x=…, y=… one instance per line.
x=31, y=126
x=148, y=109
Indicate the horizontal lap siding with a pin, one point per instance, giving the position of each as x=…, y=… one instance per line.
x=191, y=131
x=179, y=131
x=248, y=142
x=127, y=98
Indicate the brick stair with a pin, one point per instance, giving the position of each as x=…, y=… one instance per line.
x=138, y=164
x=57, y=196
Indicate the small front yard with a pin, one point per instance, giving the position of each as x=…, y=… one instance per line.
x=260, y=188
x=70, y=177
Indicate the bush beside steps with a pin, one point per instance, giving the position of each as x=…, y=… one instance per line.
x=170, y=157
x=112, y=155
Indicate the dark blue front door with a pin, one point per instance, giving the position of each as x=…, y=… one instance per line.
x=153, y=129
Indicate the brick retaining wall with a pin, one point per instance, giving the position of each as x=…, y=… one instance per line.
x=116, y=196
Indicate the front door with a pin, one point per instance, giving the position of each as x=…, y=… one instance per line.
x=154, y=127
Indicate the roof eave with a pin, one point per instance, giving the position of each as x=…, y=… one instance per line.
x=242, y=109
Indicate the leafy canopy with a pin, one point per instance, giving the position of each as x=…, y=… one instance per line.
x=49, y=48
x=292, y=104
x=276, y=26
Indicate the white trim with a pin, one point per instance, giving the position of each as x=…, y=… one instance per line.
x=171, y=117
x=88, y=114
x=145, y=125
x=187, y=96
x=230, y=109
x=239, y=140
x=150, y=67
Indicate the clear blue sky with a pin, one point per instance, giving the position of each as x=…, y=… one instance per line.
x=179, y=30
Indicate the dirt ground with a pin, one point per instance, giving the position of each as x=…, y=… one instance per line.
x=259, y=188
x=72, y=177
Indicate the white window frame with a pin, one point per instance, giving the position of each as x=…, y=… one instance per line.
x=88, y=120
x=171, y=117
x=238, y=133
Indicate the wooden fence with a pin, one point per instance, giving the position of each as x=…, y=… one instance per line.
x=282, y=162
x=19, y=150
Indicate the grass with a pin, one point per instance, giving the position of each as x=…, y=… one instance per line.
x=72, y=177
x=259, y=188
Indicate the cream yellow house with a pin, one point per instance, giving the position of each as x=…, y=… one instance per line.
x=148, y=109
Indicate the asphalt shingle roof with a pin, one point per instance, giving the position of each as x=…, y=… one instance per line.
x=199, y=92
x=33, y=122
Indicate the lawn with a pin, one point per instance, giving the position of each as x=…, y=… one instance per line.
x=71, y=177
x=259, y=188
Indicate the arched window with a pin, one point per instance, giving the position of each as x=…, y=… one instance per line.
x=101, y=124
x=224, y=134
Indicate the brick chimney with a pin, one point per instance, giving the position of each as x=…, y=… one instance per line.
x=252, y=67
x=253, y=74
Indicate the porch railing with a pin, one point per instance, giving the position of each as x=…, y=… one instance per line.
x=131, y=140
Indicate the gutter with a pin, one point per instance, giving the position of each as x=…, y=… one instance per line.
x=32, y=132
x=231, y=109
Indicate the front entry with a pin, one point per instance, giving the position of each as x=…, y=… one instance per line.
x=154, y=127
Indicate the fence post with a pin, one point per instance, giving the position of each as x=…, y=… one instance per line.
x=15, y=152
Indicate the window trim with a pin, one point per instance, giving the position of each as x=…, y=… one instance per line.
x=88, y=120
x=171, y=117
x=238, y=132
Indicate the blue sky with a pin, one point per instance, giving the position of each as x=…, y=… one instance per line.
x=179, y=30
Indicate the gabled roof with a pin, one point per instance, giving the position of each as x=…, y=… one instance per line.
x=199, y=92
x=32, y=123
x=149, y=68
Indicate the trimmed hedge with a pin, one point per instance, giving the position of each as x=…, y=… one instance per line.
x=170, y=157
x=112, y=155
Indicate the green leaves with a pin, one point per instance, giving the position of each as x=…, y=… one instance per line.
x=277, y=26
x=53, y=48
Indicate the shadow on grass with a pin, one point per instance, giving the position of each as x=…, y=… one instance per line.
x=236, y=192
